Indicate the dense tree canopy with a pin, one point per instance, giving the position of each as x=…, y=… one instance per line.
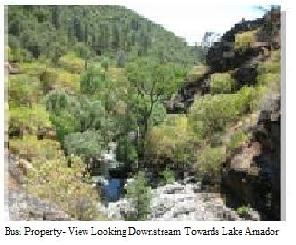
x=114, y=31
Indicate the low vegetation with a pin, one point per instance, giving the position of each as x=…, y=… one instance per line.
x=221, y=83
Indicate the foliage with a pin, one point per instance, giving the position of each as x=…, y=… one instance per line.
x=30, y=148
x=120, y=59
x=245, y=40
x=72, y=63
x=269, y=66
x=105, y=63
x=54, y=180
x=197, y=73
x=158, y=114
x=57, y=78
x=211, y=114
x=140, y=193
x=28, y=119
x=247, y=97
x=23, y=90
x=92, y=80
x=243, y=211
x=126, y=149
x=64, y=124
x=209, y=160
x=171, y=139
x=53, y=31
x=221, y=83
x=63, y=113
x=68, y=81
x=236, y=140
x=168, y=176
x=57, y=100
x=33, y=68
x=152, y=83
x=82, y=51
x=268, y=79
x=269, y=71
x=86, y=144
x=16, y=54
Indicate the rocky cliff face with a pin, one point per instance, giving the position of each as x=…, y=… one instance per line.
x=224, y=57
x=252, y=177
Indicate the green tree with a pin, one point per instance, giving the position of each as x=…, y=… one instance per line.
x=140, y=193
x=120, y=59
x=91, y=80
x=56, y=16
x=86, y=144
x=152, y=84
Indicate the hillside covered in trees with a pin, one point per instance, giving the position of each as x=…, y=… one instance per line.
x=107, y=108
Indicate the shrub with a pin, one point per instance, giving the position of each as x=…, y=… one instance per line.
x=268, y=79
x=269, y=66
x=48, y=79
x=210, y=114
x=209, y=160
x=72, y=63
x=140, y=193
x=64, y=123
x=23, y=90
x=33, y=68
x=82, y=50
x=55, y=181
x=126, y=150
x=30, y=148
x=245, y=40
x=92, y=80
x=197, y=73
x=28, y=119
x=57, y=100
x=55, y=78
x=236, y=140
x=243, y=211
x=269, y=72
x=105, y=63
x=221, y=83
x=250, y=98
x=86, y=144
x=172, y=139
x=246, y=97
x=68, y=81
x=168, y=176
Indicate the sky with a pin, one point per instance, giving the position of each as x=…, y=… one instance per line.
x=192, y=20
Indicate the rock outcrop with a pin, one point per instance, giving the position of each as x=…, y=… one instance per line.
x=223, y=56
x=252, y=177
x=179, y=202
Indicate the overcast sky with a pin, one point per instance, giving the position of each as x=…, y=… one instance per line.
x=190, y=19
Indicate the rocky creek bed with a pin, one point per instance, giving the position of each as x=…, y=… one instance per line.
x=179, y=202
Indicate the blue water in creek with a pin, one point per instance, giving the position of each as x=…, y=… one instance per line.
x=113, y=189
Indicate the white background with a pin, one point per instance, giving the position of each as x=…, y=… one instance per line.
x=288, y=229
